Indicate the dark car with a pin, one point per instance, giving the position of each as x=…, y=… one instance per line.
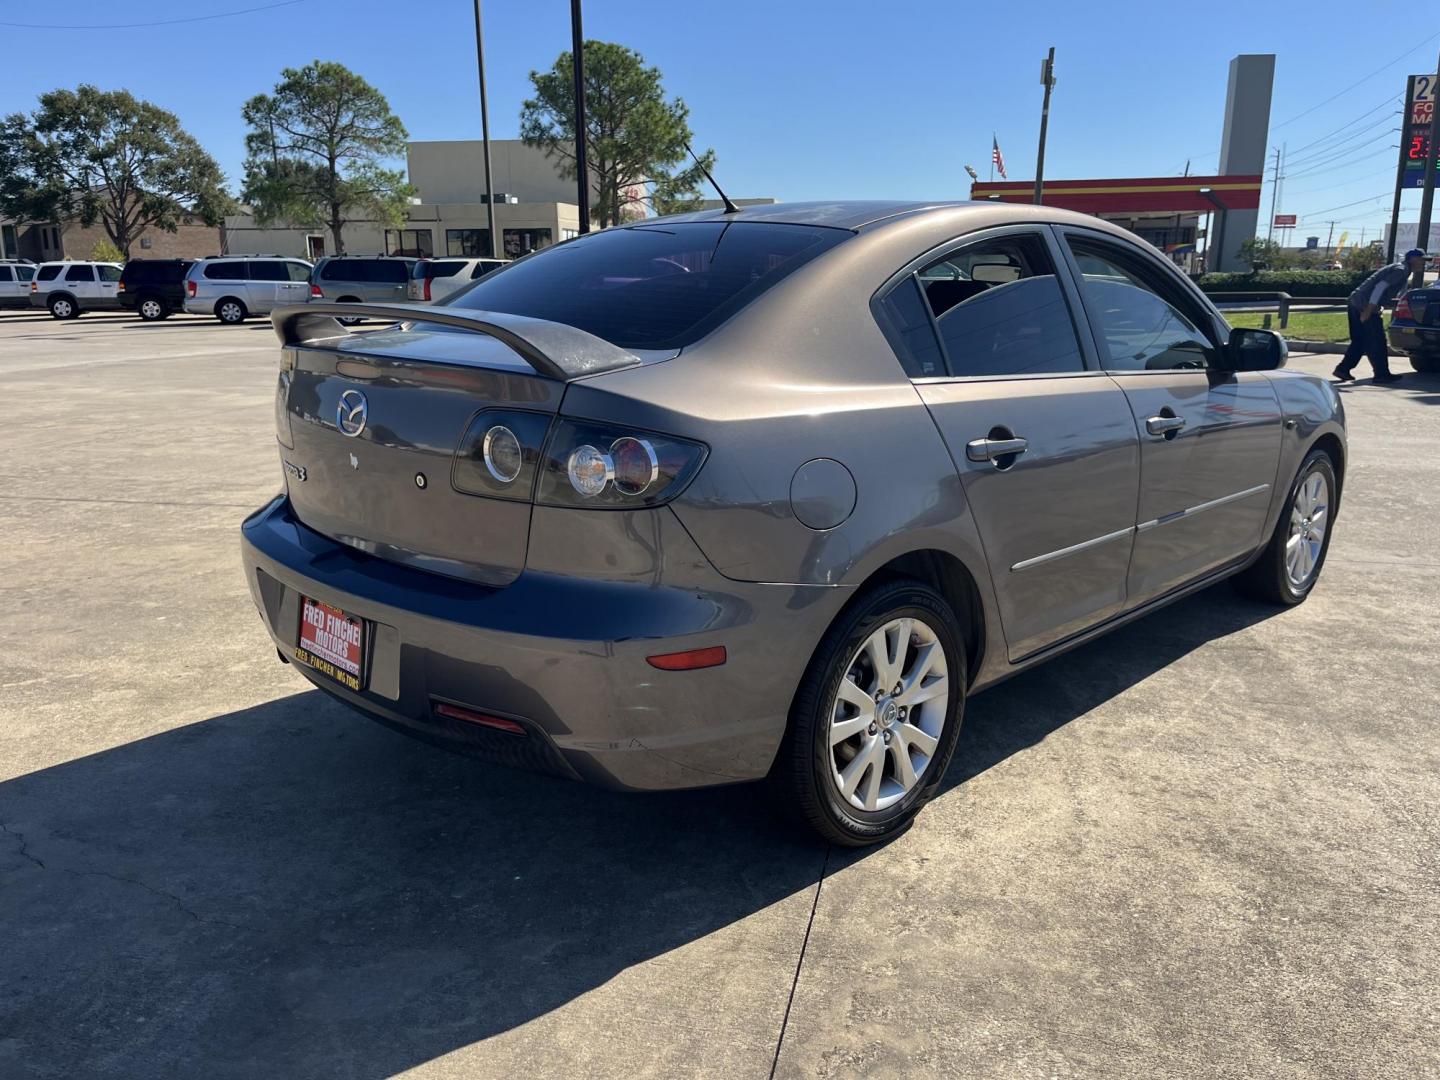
x=1415, y=329
x=153, y=288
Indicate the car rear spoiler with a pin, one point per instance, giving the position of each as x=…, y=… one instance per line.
x=552, y=349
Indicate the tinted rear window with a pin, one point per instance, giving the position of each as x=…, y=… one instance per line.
x=225, y=271
x=653, y=286
x=155, y=272
x=267, y=270
x=443, y=268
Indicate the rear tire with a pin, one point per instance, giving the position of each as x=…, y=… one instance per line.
x=1428, y=363
x=1290, y=565
x=62, y=307
x=854, y=736
x=152, y=309
x=230, y=311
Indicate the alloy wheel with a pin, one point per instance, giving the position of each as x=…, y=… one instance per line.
x=151, y=309
x=1309, y=518
x=231, y=313
x=62, y=309
x=888, y=714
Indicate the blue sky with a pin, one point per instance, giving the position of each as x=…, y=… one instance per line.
x=810, y=99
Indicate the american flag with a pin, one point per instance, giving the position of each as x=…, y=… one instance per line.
x=998, y=158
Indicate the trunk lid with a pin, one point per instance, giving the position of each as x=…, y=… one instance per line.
x=370, y=424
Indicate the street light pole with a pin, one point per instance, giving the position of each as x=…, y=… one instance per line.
x=577, y=35
x=485, y=136
x=1047, y=76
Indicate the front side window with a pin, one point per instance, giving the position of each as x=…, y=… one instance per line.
x=109, y=273
x=24, y=273
x=1137, y=328
x=653, y=287
x=80, y=273
x=467, y=243
x=998, y=308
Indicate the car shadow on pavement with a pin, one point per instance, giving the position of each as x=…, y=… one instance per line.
x=291, y=890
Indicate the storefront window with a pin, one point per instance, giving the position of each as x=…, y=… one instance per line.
x=468, y=243
x=410, y=243
x=520, y=242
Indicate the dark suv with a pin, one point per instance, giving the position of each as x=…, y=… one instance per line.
x=153, y=288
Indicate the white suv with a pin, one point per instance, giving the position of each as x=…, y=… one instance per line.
x=70, y=289
x=434, y=280
x=15, y=276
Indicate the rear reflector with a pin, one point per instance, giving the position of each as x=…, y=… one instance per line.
x=1402, y=308
x=470, y=716
x=689, y=661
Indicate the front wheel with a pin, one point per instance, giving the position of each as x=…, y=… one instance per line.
x=1291, y=562
x=876, y=717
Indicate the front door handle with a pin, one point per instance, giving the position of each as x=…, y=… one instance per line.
x=1163, y=425
x=994, y=449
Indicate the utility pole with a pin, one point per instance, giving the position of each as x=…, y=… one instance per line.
x=1047, y=76
x=577, y=35
x=1329, y=238
x=1427, y=199
x=485, y=136
x=1399, y=174
x=1274, y=191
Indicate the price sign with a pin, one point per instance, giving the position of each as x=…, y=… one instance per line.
x=1419, y=121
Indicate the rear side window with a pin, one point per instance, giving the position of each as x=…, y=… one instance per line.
x=443, y=268
x=653, y=287
x=109, y=273
x=910, y=322
x=6, y=274
x=80, y=273
x=268, y=270
x=389, y=271
x=155, y=272
x=483, y=267
x=24, y=273
x=225, y=271
x=48, y=273
x=998, y=307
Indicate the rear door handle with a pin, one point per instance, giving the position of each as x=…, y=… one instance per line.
x=993, y=449
x=1163, y=425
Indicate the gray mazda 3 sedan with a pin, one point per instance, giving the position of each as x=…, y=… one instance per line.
x=766, y=494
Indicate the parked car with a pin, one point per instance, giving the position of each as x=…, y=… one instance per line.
x=729, y=496
x=1415, y=327
x=233, y=287
x=154, y=288
x=15, y=278
x=69, y=289
x=355, y=278
x=434, y=280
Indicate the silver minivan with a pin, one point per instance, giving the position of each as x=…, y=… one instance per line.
x=231, y=287
x=353, y=279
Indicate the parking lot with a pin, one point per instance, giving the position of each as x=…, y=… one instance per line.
x=1206, y=845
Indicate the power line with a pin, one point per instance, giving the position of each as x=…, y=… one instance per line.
x=146, y=25
x=1350, y=141
x=1378, y=71
x=1347, y=156
x=1389, y=99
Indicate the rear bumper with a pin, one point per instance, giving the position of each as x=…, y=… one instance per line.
x=1413, y=339
x=563, y=656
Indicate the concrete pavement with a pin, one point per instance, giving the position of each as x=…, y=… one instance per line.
x=1205, y=845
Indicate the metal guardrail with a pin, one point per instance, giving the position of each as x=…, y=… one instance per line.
x=1283, y=301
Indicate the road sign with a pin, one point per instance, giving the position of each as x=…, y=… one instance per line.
x=1285, y=221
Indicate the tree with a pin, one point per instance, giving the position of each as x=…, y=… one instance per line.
x=1261, y=254
x=633, y=135
x=316, y=149
x=105, y=156
x=104, y=251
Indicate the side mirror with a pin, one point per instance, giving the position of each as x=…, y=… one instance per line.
x=1255, y=350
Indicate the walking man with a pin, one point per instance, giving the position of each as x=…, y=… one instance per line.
x=1367, y=325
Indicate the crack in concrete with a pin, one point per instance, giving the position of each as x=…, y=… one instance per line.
x=800, y=961
x=162, y=893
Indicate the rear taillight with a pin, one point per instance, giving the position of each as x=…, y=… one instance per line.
x=1402, y=308
x=315, y=293
x=190, y=288
x=34, y=286
x=598, y=466
x=120, y=287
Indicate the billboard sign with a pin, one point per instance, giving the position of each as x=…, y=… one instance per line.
x=1285, y=221
x=1419, y=121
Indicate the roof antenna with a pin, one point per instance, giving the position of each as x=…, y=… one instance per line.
x=730, y=207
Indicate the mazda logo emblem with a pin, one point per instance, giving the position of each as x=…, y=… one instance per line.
x=352, y=412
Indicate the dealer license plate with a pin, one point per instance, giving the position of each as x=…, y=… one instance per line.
x=332, y=642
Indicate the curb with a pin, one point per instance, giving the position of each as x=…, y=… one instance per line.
x=1297, y=345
